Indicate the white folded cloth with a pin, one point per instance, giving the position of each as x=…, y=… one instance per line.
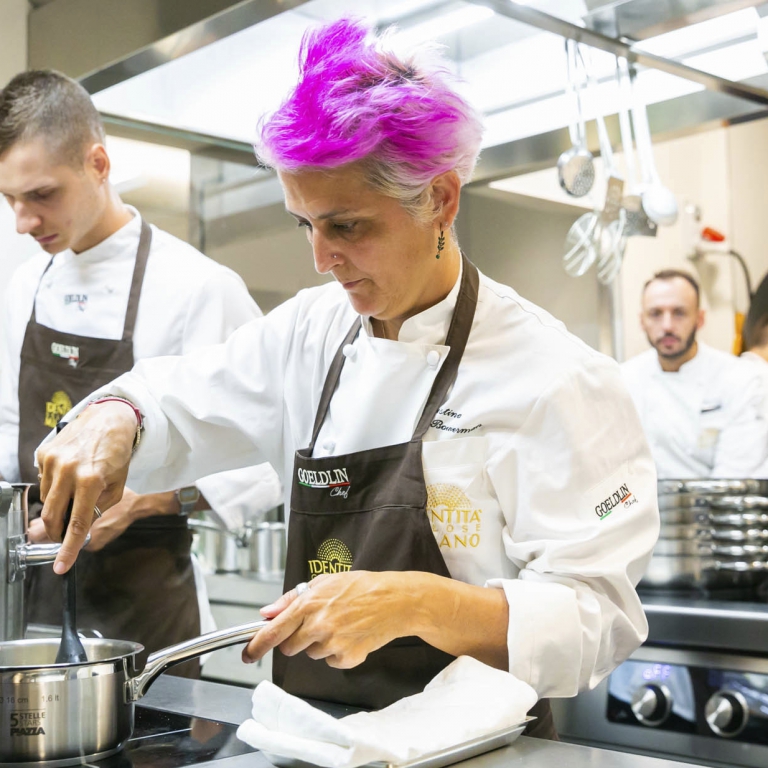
x=467, y=700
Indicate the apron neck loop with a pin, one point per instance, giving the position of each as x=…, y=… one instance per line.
x=140, y=267
x=458, y=334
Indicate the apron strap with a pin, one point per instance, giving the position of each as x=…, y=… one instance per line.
x=32, y=318
x=140, y=267
x=458, y=334
x=332, y=381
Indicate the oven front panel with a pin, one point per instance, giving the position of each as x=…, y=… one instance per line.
x=711, y=708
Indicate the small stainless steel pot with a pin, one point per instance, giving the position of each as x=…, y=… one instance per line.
x=66, y=714
x=221, y=550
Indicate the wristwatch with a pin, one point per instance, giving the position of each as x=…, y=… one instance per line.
x=187, y=498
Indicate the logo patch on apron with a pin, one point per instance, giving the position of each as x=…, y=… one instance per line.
x=335, y=480
x=58, y=406
x=333, y=556
x=455, y=522
x=67, y=352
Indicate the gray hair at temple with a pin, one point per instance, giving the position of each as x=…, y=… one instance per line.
x=48, y=105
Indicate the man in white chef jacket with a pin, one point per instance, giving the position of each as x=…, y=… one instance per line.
x=702, y=409
x=54, y=174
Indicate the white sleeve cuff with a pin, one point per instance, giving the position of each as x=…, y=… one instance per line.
x=544, y=636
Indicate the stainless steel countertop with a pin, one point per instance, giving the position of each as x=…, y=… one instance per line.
x=232, y=704
x=722, y=625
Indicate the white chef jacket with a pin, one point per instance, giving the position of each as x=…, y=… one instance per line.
x=187, y=301
x=539, y=478
x=705, y=420
x=760, y=365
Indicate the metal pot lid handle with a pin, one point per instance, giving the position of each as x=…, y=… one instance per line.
x=159, y=661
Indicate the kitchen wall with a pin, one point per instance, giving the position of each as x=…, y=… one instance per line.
x=13, y=59
x=519, y=243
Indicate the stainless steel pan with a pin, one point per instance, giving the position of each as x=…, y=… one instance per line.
x=710, y=549
x=670, y=501
x=686, y=572
x=66, y=714
x=749, y=503
x=684, y=517
x=746, y=486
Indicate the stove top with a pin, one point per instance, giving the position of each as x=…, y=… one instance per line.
x=168, y=740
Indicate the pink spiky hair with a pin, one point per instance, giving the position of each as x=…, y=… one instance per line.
x=354, y=100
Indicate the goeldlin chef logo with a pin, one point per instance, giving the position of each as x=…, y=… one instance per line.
x=69, y=353
x=621, y=496
x=80, y=299
x=333, y=556
x=58, y=406
x=455, y=522
x=335, y=480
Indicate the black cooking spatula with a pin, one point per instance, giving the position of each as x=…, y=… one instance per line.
x=71, y=650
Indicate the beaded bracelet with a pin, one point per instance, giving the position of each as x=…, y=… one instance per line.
x=137, y=412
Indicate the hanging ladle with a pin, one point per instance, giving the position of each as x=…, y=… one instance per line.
x=575, y=166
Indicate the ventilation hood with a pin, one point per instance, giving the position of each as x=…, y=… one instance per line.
x=206, y=69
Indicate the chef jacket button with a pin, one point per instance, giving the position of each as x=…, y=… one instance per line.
x=329, y=445
x=349, y=351
x=433, y=357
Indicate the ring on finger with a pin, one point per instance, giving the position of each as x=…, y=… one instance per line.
x=39, y=477
x=97, y=511
x=301, y=588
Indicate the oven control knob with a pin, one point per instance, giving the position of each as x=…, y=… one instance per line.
x=727, y=713
x=652, y=704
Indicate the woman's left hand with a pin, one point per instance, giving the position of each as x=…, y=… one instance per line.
x=341, y=618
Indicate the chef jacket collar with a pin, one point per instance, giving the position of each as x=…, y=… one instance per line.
x=694, y=368
x=431, y=325
x=119, y=244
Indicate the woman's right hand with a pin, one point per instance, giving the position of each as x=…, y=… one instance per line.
x=88, y=462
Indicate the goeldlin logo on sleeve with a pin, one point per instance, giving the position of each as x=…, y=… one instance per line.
x=621, y=496
x=335, y=480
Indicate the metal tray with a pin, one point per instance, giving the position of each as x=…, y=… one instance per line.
x=449, y=756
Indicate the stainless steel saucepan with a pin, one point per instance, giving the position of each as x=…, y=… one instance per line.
x=66, y=714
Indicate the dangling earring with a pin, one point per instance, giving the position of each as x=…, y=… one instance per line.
x=440, y=243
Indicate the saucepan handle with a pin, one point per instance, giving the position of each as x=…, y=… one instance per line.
x=159, y=661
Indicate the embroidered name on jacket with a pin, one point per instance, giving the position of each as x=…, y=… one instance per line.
x=621, y=496
x=335, y=480
x=333, y=556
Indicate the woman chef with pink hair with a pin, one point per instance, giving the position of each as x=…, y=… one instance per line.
x=465, y=477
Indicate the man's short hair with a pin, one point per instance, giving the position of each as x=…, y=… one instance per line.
x=48, y=105
x=671, y=274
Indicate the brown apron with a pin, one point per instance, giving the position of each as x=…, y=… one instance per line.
x=367, y=511
x=141, y=586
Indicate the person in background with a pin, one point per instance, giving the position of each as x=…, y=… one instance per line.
x=106, y=290
x=702, y=409
x=466, y=477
